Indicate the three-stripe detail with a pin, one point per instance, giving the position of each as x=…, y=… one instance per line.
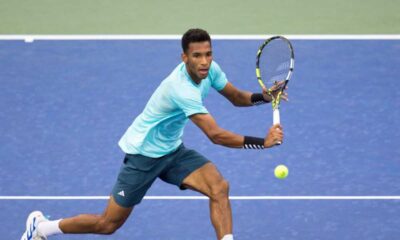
x=253, y=146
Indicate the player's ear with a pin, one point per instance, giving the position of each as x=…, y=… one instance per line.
x=184, y=57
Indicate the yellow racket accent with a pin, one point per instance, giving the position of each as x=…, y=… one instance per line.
x=261, y=83
x=258, y=74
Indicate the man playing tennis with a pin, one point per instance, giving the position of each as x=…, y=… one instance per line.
x=154, y=148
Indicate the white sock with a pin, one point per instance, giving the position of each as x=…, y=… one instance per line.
x=49, y=228
x=228, y=237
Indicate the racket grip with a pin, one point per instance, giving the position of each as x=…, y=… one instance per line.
x=277, y=120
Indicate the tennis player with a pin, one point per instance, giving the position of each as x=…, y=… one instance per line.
x=154, y=147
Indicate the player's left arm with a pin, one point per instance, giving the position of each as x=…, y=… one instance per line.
x=241, y=98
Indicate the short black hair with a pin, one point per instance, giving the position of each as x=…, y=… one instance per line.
x=194, y=35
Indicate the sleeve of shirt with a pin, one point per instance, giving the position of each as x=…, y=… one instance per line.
x=189, y=101
x=218, y=77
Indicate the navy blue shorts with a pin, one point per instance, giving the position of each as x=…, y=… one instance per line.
x=138, y=173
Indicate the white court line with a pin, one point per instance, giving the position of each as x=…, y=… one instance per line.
x=206, y=198
x=31, y=38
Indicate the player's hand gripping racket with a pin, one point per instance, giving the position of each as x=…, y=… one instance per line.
x=274, y=68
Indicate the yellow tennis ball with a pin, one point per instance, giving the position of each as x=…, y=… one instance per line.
x=281, y=171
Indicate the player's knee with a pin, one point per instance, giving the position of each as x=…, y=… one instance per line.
x=106, y=227
x=219, y=190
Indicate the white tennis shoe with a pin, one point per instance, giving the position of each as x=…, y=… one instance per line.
x=31, y=232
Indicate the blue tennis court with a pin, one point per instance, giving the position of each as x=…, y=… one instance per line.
x=65, y=104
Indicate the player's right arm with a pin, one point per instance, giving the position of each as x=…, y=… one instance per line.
x=226, y=138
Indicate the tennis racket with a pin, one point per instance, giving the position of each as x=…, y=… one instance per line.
x=274, y=68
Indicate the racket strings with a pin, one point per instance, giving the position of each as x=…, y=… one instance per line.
x=275, y=61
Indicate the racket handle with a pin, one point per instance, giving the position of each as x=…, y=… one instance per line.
x=276, y=120
x=276, y=116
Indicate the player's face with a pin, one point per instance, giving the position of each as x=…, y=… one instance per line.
x=198, y=59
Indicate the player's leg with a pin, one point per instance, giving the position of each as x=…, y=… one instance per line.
x=190, y=169
x=113, y=218
x=208, y=181
x=38, y=227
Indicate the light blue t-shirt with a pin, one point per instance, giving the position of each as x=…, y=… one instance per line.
x=157, y=131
